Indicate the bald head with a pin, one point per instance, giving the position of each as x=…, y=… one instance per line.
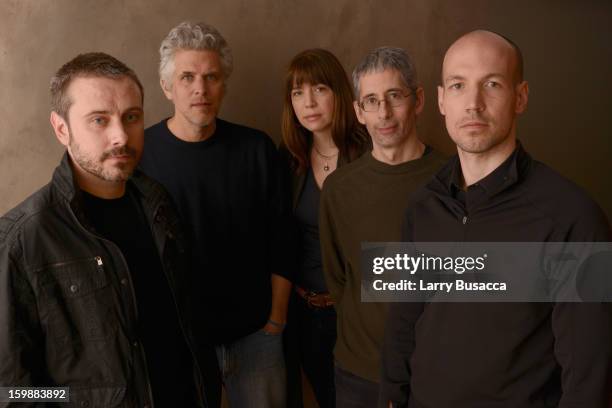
x=486, y=42
x=482, y=92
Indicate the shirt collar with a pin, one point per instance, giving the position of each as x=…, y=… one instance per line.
x=504, y=175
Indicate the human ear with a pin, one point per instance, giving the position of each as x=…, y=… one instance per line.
x=60, y=127
x=166, y=87
x=419, y=99
x=441, y=100
x=358, y=112
x=522, y=96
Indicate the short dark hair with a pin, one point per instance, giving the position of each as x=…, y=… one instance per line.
x=91, y=64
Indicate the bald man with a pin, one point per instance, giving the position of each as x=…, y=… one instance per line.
x=494, y=355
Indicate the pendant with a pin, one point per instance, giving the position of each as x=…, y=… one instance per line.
x=326, y=167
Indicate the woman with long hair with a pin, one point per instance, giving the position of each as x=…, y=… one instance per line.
x=319, y=133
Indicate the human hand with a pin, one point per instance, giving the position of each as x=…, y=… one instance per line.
x=273, y=327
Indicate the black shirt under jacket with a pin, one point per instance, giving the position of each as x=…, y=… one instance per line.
x=123, y=222
x=528, y=355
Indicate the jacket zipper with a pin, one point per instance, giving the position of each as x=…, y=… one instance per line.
x=56, y=264
x=129, y=278
x=464, y=221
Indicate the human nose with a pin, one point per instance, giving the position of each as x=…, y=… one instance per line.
x=199, y=86
x=475, y=101
x=119, y=136
x=384, y=109
x=309, y=99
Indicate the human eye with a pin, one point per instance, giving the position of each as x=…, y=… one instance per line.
x=211, y=77
x=296, y=93
x=456, y=86
x=187, y=77
x=99, y=121
x=492, y=84
x=394, y=96
x=370, y=101
x=321, y=88
x=132, y=117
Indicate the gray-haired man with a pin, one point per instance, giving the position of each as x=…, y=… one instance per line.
x=365, y=201
x=224, y=179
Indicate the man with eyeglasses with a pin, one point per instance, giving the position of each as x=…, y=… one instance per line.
x=365, y=201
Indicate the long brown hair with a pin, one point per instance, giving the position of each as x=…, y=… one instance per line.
x=319, y=66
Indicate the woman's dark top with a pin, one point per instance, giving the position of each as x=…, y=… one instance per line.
x=309, y=272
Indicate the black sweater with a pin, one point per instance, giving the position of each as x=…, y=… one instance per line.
x=230, y=198
x=507, y=355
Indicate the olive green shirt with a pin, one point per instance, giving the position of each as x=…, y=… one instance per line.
x=364, y=201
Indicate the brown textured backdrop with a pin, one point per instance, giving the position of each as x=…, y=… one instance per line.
x=567, y=47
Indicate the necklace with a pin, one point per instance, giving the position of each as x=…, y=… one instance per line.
x=325, y=157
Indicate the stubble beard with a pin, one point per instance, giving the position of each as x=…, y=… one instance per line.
x=201, y=123
x=121, y=172
x=479, y=142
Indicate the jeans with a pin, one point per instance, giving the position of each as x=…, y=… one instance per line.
x=355, y=392
x=317, y=328
x=310, y=337
x=253, y=371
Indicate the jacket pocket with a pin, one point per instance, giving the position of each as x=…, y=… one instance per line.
x=76, y=301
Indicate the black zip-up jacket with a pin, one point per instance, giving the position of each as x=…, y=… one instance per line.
x=500, y=355
x=67, y=306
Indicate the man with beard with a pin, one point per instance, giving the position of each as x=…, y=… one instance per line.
x=91, y=265
x=467, y=355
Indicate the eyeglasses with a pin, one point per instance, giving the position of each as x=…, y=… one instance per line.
x=392, y=99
